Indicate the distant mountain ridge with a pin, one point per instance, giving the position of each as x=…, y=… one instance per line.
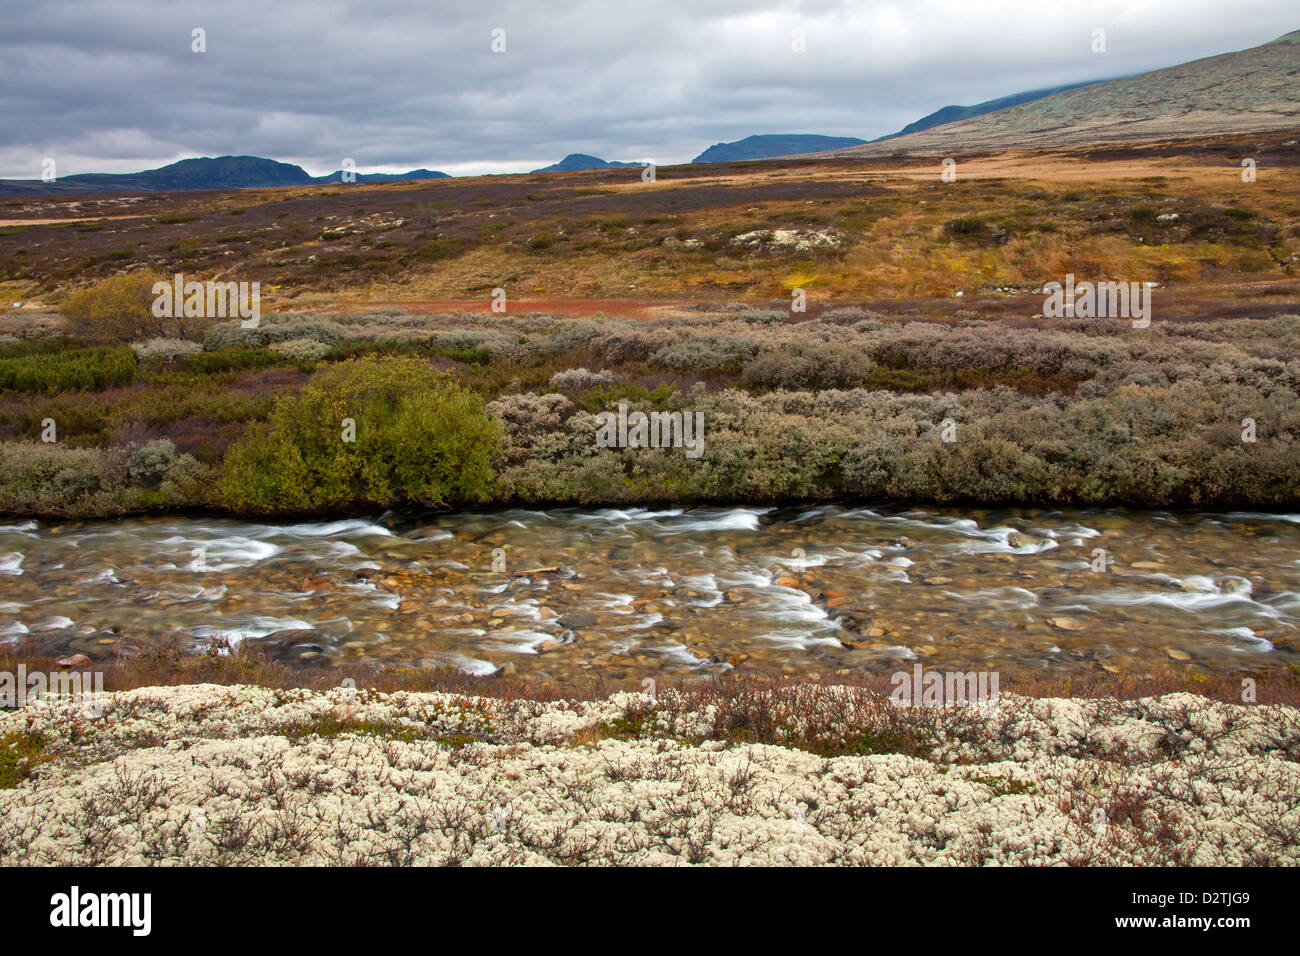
x=221, y=172
x=579, y=161
x=954, y=114
x=767, y=145
x=1248, y=91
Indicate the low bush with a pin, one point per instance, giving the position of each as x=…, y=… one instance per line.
x=232, y=359
x=283, y=327
x=301, y=350
x=120, y=309
x=705, y=352
x=573, y=334
x=807, y=365
x=55, y=480
x=73, y=370
x=416, y=438
x=966, y=227
x=168, y=350
x=41, y=346
x=529, y=414
x=581, y=379
x=764, y=316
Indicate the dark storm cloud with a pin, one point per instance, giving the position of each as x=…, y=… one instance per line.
x=114, y=86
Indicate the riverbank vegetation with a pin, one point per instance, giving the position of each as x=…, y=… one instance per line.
x=461, y=409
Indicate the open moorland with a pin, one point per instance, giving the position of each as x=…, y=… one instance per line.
x=924, y=307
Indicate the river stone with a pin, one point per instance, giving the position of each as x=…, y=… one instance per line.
x=578, y=618
x=1175, y=654
x=1063, y=623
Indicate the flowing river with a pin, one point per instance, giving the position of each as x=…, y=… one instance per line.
x=627, y=594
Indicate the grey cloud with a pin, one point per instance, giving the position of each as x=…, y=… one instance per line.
x=114, y=86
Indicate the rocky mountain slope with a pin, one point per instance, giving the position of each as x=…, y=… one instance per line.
x=1247, y=91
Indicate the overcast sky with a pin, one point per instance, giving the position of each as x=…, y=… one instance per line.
x=114, y=86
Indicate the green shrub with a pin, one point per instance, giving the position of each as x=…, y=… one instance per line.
x=75, y=370
x=605, y=397
x=43, y=346
x=232, y=359
x=419, y=439
x=966, y=226
x=440, y=249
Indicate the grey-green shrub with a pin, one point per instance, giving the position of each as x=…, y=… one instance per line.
x=53, y=479
x=167, y=350
x=277, y=327
x=580, y=379
x=573, y=334
x=764, y=316
x=528, y=413
x=808, y=365
x=301, y=350
x=701, y=352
